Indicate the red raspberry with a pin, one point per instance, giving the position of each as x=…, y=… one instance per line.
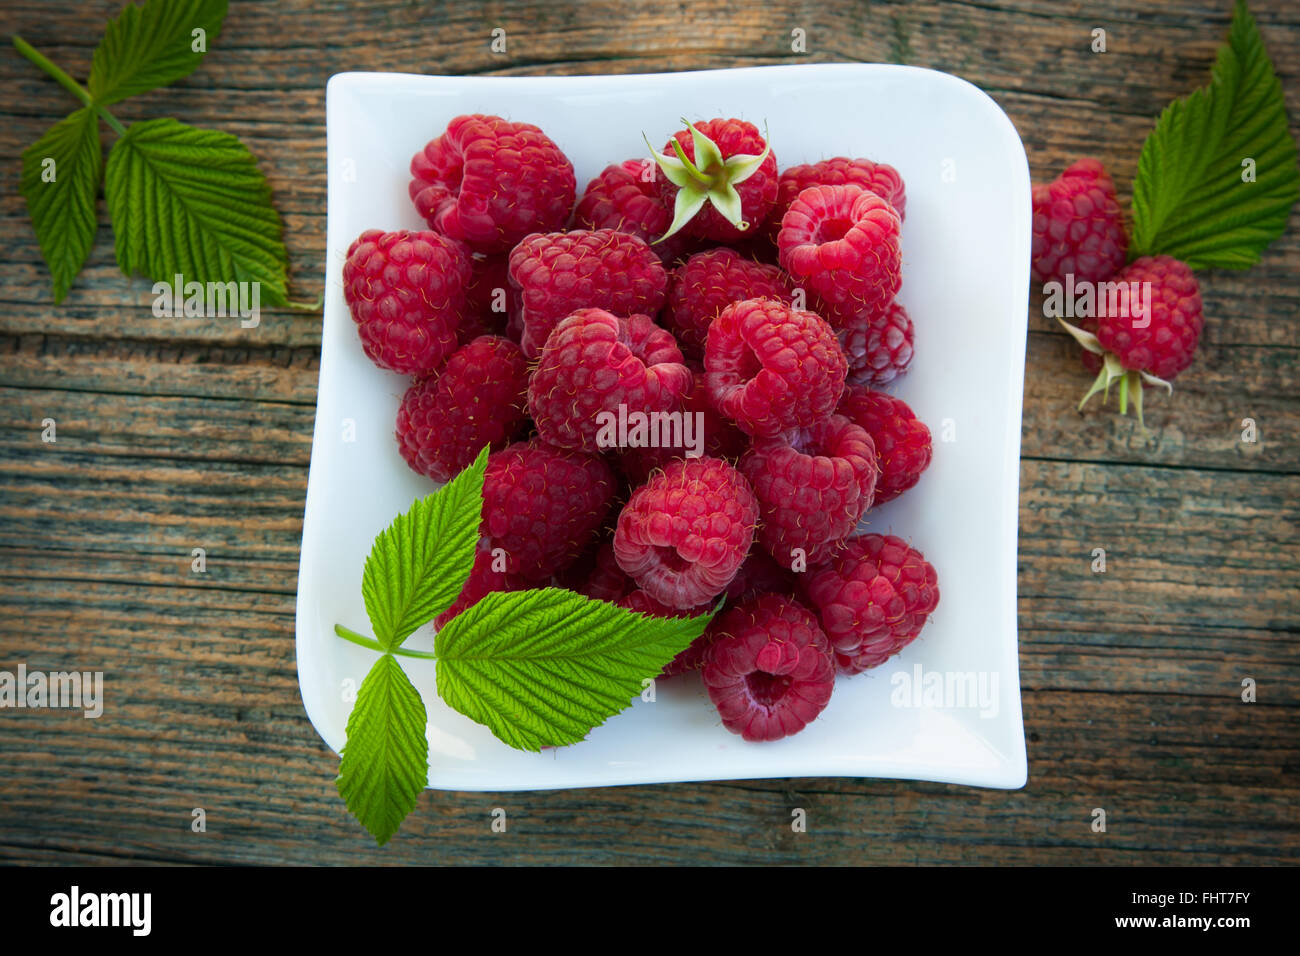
x=544, y=505
x=1148, y=349
x=489, y=182
x=490, y=298
x=710, y=281
x=769, y=671
x=1078, y=226
x=1166, y=345
x=873, y=597
x=684, y=533
x=406, y=292
x=879, y=349
x=733, y=137
x=813, y=486
x=484, y=578
x=598, y=366
x=879, y=178
x=721, y=439
x=902, y=440
x=842, y=243
x=770, y=368
x=475, y=399
x=558, y=273
x=625, y=198
x=690, y=659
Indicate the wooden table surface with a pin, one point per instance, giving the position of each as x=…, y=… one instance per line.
x=182, y=433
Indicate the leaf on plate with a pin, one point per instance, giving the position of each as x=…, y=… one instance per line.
x=59, y=181
x=543, y=667
x=1217, y=176
x=153, y=45
x=192, y=202
x=385, y=761
x=419, y=563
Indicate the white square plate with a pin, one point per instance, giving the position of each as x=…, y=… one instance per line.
x=966, y=244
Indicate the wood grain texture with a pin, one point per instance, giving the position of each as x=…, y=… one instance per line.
x=176, y=434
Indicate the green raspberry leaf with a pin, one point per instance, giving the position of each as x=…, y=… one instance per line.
x=419, y=562
x=193, y=202
x=59, y=181
x=385, y=761
x=151, y=46
x=543, y=667
x=1192, y=198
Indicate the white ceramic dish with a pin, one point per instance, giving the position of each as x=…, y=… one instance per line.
x=966, y=243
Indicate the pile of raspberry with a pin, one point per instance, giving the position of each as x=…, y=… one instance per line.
x=1079, y=240
x=530, y=319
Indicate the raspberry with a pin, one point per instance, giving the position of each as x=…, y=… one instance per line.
x=757, y=193
x=558, y=273
x=710, y=281
x=721, y=439
x=813, y=486
x=1166, y=346
x=684, y=533
x=1148, y=349
x=690, y=659
x=879, y=178
x=624, y=199
x=406, y=292
x=482, y=581
x=1078, y=226
x=770, y=368
x=769, y=671
x=842, y=243
x=597, y=367
x=543, y=506
x=879, y=350
x=489, y=182
x=873, y=597
x=902, y=440
x=490, y=298
x=475, y=399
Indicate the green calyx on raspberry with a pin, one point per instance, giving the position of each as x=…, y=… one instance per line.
x=1112, y=371
x=709, y=179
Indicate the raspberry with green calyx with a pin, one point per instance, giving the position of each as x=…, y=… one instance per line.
x=1152, y=334
x=706, y=180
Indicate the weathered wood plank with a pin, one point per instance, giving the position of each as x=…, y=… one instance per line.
x=155, y=426
x=1169, y=798
x=270, y=372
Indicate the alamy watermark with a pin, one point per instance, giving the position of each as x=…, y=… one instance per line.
x=635, y=429
x=946, y=690
x=212, y=300
x=129, y=910
x=82, y=690
x=1093, y=300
